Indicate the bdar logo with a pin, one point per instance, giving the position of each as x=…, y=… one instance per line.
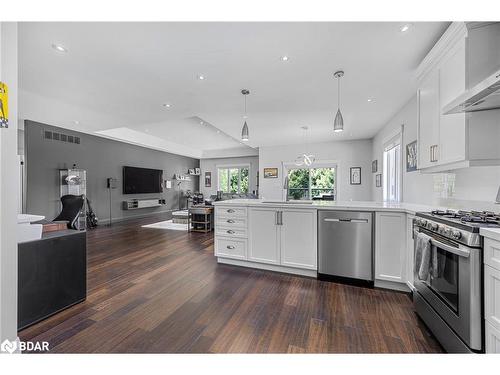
x=8, y=346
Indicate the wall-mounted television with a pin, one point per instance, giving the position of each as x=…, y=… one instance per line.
x=142, y=180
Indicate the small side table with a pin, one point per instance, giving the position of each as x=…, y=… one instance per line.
x=200, y=218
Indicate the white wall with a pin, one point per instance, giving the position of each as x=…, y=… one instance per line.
x=346, y=153
x=474, y=188
x=9, y=182
x=210, y=165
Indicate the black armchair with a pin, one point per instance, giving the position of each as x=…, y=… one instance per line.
x=72, y=205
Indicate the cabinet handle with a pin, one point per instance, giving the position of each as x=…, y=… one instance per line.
x=276, y=221
x=230, y=211
x=231, y=247
x=280, y=217
x=230, y=231
x=230, y=221
x=434, y=149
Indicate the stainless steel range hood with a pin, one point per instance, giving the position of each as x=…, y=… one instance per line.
x=483, y=96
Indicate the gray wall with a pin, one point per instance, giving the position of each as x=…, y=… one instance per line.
x=210, y=165
x=102, y=158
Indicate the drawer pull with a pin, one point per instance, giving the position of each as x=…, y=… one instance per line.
x=231, y=221
x=230, y=231
x=231, y=247
x=230, y=211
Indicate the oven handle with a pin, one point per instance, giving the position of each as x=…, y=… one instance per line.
x=460, y=251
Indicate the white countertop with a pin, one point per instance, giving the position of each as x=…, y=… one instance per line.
x=493, y=233
x=28, y=218
x=333, y=205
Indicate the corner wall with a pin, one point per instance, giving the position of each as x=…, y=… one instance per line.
x=9, y=183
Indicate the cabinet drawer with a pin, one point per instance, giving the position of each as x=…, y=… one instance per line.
x=492, y=253
x=231, y=232
x=231, y=247
x=231, y=212
x=492, y=296
x=235, y=222
x=492, y=339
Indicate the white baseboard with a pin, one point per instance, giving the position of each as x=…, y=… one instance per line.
x=268, y=267
x=391, y=285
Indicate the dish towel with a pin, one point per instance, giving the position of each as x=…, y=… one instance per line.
x=423, y=256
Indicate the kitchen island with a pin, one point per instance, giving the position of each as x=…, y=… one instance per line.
x=283, y=236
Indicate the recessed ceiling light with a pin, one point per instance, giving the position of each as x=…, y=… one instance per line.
x=370, y=100
x=167, y=105
x=202, y=123
x=218, y=131
x=201, y=77
x=404, y=28
x=284, y=58
x=59, y=47
x=76, y=122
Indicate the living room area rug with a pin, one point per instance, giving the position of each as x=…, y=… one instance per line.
x=168, y=224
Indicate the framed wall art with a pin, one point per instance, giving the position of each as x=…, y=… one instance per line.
x=378, y=180
x=411, y=156
x=355, y=178
x=270, y=172
x=208, y=179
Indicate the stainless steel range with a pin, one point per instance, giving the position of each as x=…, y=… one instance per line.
x=450, y=301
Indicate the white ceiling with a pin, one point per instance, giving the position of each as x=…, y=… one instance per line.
x=115, y=77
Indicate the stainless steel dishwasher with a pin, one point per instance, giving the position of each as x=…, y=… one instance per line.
x=345, y=245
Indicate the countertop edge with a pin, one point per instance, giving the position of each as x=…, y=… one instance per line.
x=492, y=233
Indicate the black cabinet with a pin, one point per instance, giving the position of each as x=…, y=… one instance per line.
x=52, y=275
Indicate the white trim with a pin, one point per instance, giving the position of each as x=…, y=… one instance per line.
x=456, y=31
x=235, y=166
x=268, y=267
x=286, y=166
x=402, y=287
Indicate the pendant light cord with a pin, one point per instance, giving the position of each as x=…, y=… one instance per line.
x=338, y=93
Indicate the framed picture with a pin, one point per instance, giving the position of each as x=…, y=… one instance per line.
x=374, y=166
x=355, y=176
x=411, y=156
x=197, y=171
x=191, y=170
x=270, y=172
x=208, y=179
x=4, y=105
x=378, y=180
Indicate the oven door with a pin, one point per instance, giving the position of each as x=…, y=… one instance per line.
x=455, y=293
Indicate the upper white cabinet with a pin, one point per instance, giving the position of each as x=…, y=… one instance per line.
x=390, y=246
x=459, y=140
x=428, y=102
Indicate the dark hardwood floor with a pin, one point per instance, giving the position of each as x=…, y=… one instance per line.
x=162, y=291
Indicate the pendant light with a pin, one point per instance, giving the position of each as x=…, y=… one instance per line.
x=244, y=131
x=338, y=124
x=305, y=158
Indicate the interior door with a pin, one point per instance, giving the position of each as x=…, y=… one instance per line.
x=263, y=238
x=298, y=238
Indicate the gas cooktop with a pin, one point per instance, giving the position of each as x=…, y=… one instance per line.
x=471, y=219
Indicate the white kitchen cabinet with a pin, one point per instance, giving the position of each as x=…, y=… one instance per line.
x=390, y=246
x=492, y=296
x=263, y=236
x=299, y=238
x=452, y=127
x=492, y=339
x=409, y=251
x=428, y=120
x=452, y=141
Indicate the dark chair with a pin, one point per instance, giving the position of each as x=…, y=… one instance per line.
x=72, y=205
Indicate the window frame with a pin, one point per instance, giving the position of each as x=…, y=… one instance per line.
x=317, y=165
x=229, y=167
x=393, y=142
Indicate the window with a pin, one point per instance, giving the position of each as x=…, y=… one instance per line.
x=233, y=179
x=392, y=170
x=309, y=183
